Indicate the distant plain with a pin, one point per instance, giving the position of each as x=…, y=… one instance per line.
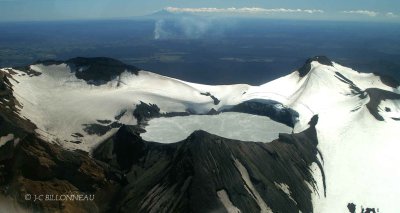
x=224, y=51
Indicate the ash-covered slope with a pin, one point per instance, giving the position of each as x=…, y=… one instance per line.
x=348, y=162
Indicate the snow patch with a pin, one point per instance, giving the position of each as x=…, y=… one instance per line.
x=285, y=188
x=250, y=187
x=224, y=198
x=5, y=139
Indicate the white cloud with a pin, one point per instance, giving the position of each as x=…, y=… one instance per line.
x=362, y=12
x=391, y=15
x=252, y=10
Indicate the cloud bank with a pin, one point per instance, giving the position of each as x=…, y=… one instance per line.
x=362, y=12
x=391, y=15
x=250, y=10
x=260, y=11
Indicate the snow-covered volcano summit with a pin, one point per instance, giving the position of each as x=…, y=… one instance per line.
x=81, y=102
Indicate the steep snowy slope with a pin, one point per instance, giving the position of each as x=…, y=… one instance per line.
x=357, y=131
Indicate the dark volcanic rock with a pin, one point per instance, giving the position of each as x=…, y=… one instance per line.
x=267, y=108
x=351, y=207
x=388, y=80
x=9, y=108
x=212, y=112
x=376, y=96
x=100, y=129
x=126, y=146
x=99, y=70
x=185, y=176
x=216, y=100
x=174, y=114
x=305, y=69
x=28, y=70
x=368, y=210
x=144, y=112
x=355, y=90
x=36, y=167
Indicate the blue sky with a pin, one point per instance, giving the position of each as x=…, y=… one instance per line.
x=367, y=10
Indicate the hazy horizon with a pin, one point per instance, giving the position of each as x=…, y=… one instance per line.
x=213, y=51
x=353, y=10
